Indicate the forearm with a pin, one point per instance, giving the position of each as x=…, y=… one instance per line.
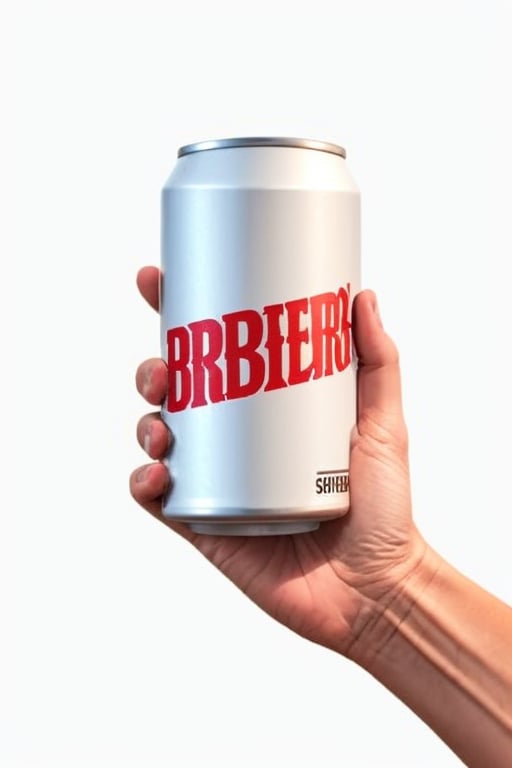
x=444, y=646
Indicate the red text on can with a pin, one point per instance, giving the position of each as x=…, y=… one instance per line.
x=246, y=352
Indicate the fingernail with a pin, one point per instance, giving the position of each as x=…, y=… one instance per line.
x=146, y=382
x=141, y=475
x=147, y=441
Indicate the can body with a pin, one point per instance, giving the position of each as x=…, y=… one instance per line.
x=260, y=261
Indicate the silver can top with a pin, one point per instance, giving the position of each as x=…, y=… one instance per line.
x=262, y=141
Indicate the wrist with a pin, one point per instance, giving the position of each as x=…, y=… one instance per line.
x=442, y=645
x=384, y=616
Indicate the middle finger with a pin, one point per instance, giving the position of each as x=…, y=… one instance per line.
x=153, y=435
x=151, y=380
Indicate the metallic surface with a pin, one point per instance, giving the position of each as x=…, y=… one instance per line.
x=255, y=529
x=246, y=227
x=262, y=141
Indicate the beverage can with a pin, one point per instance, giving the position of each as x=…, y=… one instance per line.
x=261, y=263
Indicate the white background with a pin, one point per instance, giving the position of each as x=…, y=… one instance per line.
x=119, y=645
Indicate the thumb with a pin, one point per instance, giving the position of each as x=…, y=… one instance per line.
x=378, y=373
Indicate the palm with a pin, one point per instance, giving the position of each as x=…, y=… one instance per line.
x=311, y=582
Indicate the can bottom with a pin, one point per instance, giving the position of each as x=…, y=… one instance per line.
x=255, y=529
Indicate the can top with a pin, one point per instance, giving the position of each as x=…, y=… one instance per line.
x=262, y=141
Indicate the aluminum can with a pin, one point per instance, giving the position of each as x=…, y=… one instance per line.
x=261, y=262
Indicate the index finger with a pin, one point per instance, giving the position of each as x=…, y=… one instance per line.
x=148, y=283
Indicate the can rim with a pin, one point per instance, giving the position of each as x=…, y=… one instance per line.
x=263, y=141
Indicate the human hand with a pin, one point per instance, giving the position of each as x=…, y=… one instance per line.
x=325, y=584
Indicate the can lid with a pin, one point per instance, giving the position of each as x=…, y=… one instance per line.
x=262, y=141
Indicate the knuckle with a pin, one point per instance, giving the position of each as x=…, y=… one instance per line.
x=385, y=431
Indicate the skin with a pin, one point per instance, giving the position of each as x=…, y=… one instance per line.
x=367, y=585
x=314, y=583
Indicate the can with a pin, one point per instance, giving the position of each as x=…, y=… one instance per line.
x=260, y=262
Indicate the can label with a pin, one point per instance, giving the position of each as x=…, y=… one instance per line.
x=247, y=351
x=332, y=481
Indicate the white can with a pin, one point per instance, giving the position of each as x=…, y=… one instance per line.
x=261, y=262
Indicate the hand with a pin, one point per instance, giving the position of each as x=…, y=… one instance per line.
x=320, y=584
